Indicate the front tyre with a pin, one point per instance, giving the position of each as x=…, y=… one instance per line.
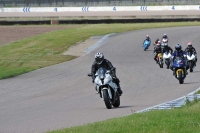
x=167, y=62
x=191, y=66
x=180, y=78
x=107, y=99
x=160, y=63
x=117, y=102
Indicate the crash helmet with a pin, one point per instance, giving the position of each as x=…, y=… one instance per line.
x=99, y=57
x=147, y=36
x=189, y=45
x=178, y=47
x=157, y=40
x=158, y=45
x=165, y=35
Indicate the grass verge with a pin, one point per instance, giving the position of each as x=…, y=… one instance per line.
x=198, y=92
x=180, y=120
x=43, y=50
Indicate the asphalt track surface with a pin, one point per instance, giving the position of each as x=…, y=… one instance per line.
x=63, y=95
x=121, y=14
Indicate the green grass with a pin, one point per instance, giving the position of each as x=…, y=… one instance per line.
x=43, y=50
x=180, y=120
x=198, y=92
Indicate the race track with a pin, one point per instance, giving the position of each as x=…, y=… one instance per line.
x=63, y=96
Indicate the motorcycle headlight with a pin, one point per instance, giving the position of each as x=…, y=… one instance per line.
x=179, y=61
x=98, y=81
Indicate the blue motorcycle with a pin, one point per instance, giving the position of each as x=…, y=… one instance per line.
x=146, y=45
x=179, y=65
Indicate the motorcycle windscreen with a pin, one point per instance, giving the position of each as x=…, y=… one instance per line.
x=146, y=43
x=101, y=72
x=189, y=53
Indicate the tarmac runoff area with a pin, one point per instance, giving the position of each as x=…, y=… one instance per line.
x=87, y=46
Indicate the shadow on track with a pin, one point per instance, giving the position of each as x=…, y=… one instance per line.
x=123, y=107
x=191, y=83
x=195, y=71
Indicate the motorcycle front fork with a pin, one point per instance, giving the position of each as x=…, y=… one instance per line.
x=184, y=69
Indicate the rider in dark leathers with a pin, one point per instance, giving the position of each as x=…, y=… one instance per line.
x=190, y=48
x=178, y=52
x=167, y=48
x=157, y=50
x=101, y=62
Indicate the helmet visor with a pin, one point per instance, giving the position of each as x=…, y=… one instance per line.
x=178, y=49
x=99, y=60
x=189, y=46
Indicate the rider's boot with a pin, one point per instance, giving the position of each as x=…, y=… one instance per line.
x=119, y=89
x=173, y=71
x=96, y=90
x=171, y=67
x=195, y=62
x=156, y=61
x=186, y=73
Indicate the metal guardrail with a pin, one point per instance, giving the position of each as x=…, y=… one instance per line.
x=80, y=3
x=90, y=21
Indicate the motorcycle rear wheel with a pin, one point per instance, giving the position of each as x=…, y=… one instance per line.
x=107, y=99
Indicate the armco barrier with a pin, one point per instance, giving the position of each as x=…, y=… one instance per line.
x=99, y=21
x=91, y=9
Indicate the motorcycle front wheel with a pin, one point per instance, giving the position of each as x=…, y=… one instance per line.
x=160, y=64
x=117, y=102
x=191, y=65
x=167, y=63
x=180, y=78
x=107, y=99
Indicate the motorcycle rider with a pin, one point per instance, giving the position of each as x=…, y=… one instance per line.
x=178, y=52
x=157, y=50
x=190, y=48
x=165, y=38
x=156, y=41
x=167, y=48
x=147, y=39
x=101, y=62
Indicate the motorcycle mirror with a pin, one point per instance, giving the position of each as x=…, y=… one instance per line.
x=90, y=74
x=108, y=71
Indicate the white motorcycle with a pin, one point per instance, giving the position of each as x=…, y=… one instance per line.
x=191, y=59
x=106, y=88
x=166, y=58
